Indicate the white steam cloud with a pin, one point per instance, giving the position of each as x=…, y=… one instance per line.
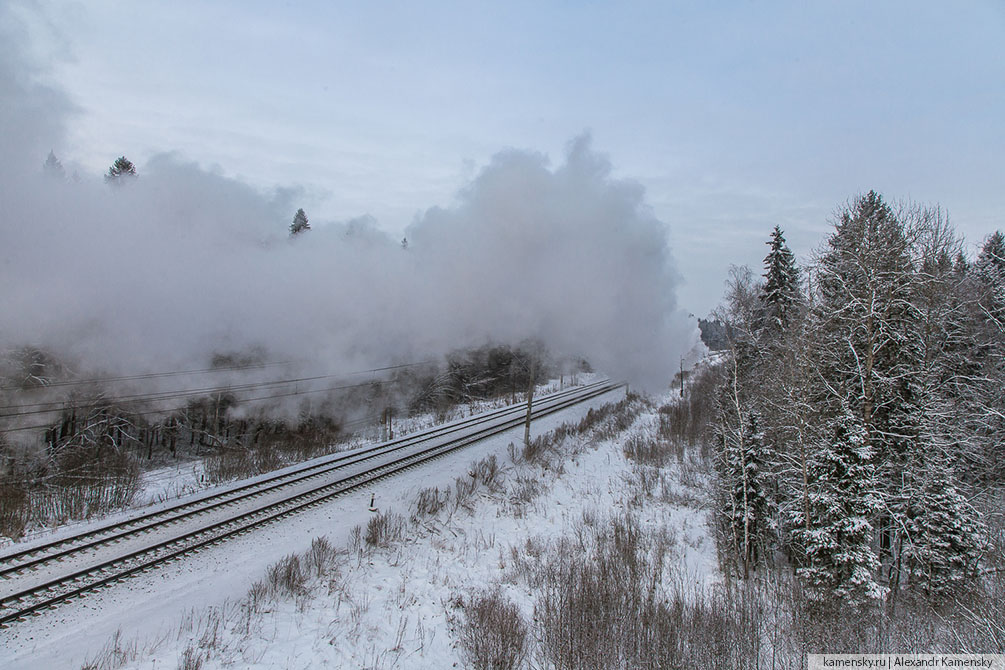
x=179, y=264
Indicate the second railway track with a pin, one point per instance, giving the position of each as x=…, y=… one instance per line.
x=42, y=576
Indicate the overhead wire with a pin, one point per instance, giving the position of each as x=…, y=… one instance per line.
x=63, y=406
x=150, y=375
x=153, y=412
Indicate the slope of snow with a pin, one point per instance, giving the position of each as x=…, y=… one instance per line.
x=395, y=607
x=147, y=609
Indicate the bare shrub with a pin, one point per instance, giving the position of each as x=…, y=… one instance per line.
x=493, y=635
x=464, y=488
x=256, y=595
x=230, y=464
x=487, y=471
x=612, y=606
x=688, y=420
x=525, y=490
x=384, y=529
x=644, y=481
x=114, y=654
x=693, y=472
x=526, y=561
x=356, y=540
x=14, y=511
x=191, y=659
x=287, y=578
x=682, y=496
x=320, y=557
x=646, y=450
x=430, y=501
x=604, y=422
x=211, y=627
x=536, y=448
x=79, y=481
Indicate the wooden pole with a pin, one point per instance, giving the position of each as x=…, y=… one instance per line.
x=530, y=403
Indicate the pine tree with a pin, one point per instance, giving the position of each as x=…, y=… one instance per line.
x=53, y=168
x=836, y=539
x=300, y=223
x=780, y=294
x=120, y=171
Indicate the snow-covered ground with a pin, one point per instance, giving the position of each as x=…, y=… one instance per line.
x=162, y=486
x=392, y=603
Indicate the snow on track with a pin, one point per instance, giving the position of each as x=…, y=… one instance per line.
x=149, y=603
x=309, y=481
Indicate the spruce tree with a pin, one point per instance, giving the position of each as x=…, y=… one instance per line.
x=990, y=273
x=867, y=341
x=120, y=171
x=300, y=223
x=944, y=534
x=780, y=293
x=837, y=537
x=747, y=467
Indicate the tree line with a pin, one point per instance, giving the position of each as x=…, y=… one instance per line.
x=86, y=455
x=859, y=410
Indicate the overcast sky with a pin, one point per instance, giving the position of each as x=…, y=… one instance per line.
x=734, y=117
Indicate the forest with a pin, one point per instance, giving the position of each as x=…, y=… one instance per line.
x=75, y=448
x=859, y=411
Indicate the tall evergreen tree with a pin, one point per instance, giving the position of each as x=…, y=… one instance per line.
x=120, y=171
x=867, y=348
x=837, y=537
x=780, y=294
x=866, y=321
x=943, y=531
x=300, y=223
x=990, y=273
x=745, y=464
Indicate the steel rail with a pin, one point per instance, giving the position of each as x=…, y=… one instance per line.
x=208, y=535
x=233, y=495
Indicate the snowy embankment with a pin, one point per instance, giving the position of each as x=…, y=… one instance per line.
x=163, y=486
x=385, y=589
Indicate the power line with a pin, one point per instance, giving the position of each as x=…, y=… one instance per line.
x=179, y=373
x=179, y=409
x=61, y=405
x=55, y=405
x=147, y=375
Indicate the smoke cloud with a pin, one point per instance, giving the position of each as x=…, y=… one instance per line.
x=179, y=264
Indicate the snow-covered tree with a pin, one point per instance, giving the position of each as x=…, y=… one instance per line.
x=780, y=294
x=944, y=533
x=890, y=366
x=120, y=171
x=837, y=537
x=300, y=223
x=745, y=464
x=865, y=334
x=990, y=273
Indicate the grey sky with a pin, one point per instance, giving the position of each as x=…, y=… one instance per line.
x=733, y=116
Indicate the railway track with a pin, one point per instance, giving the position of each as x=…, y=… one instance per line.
x=42, y=576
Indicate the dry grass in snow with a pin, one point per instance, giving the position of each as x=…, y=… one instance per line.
x=497, y=570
